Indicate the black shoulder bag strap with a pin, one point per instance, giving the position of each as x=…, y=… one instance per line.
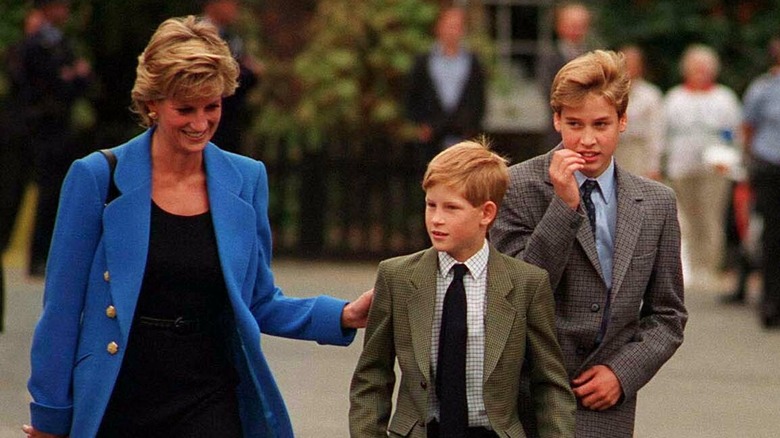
x=113, y=190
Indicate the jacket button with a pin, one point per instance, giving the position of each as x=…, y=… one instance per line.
x=111, y=312
x=424, y=385
x=595, y=307
x=106, y=276
x=112, y=348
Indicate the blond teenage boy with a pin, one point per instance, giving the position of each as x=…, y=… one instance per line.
x=508, y=323
x=610, y=241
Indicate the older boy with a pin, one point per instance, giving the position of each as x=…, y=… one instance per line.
x=460, y=339
x=609, y=240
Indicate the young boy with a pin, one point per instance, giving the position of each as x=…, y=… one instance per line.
x=460, y=356
x=612, y=251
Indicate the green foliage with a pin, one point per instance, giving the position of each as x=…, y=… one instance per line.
x=738, y=30
x=347, y=80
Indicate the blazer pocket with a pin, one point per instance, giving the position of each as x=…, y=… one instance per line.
x=81, y=359
x=401, y=425
x=516, y=431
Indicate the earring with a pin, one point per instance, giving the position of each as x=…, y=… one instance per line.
x=152, y=115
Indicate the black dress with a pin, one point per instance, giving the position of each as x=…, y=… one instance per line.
x=177, y=378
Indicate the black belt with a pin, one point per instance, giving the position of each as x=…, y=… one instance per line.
x=178, y=325
x=471, y=432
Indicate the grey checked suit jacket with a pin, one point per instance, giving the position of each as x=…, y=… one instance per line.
x=519, y=323
x=648, y=314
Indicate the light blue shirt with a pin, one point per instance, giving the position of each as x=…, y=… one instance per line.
x=762, y=111
x=604, y=198
x=449, y=75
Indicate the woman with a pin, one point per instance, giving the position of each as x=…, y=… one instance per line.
x=700, y=113
x=642, y=142
x=154, y=303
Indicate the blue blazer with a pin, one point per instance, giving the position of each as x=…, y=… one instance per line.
x=97, y=260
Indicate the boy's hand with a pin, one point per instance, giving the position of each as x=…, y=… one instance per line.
x=597, y=388
x=562, y=167
x=355, y=314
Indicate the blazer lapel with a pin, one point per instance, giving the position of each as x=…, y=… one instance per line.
x=629, y=226
x=584, y=236
x=420, y=307
x=502, y=314
x=126, y=227
x=235, y=220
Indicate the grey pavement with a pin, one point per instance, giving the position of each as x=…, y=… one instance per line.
x=723, y=382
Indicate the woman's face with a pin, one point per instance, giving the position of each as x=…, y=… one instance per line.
x=186, y=126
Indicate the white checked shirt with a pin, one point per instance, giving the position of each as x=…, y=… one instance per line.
x=475, y=283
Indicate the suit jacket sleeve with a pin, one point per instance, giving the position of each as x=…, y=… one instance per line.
x=371, y=390
x=317, y=318
x=662, y=317
x=55, y=340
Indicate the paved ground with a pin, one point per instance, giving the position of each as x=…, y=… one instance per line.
x=723, y=382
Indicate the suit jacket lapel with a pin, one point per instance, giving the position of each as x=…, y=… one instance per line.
x=126, y=227
x=629, y=226
x=502, y=314
x=420, y=307
x=235, y=220
x=584, y=235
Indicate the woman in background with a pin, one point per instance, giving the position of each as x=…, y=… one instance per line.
x=700, y=113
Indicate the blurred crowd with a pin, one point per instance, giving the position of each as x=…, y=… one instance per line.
x=719, y=151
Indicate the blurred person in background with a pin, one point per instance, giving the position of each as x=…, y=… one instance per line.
x=572, y=26
x=156, y=297
x=446, y=89
x=51, y=79
x=236, y=117
x=700, y=114
x=642, y=142
x=15, y=155
x=762, y=145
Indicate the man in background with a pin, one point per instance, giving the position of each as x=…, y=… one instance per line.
x=572, y=23
x=50, y=80
x=446, y=89
x=235, y=117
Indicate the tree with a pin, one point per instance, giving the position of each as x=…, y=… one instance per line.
x=737, y=30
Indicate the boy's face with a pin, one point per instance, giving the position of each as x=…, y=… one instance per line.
x=454, y=225
x=592, y=130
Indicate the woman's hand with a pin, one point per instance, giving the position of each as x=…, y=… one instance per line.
x=32, y=433
x=355, y=314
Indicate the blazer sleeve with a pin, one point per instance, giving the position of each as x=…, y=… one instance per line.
x=371, y=390
x=55, y=340
x=554, y=402
x=662, y=317
x=317, y=318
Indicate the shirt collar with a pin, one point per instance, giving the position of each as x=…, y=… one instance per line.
x=438, y=52
x=476, y=263
x=606, y=181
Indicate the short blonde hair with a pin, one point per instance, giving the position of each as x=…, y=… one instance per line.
x=471, y=167
x=185, y=59
x=600, y=72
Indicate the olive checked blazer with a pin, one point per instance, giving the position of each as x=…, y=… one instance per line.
x=648, y=314
x=97, y=260
x=518, y=324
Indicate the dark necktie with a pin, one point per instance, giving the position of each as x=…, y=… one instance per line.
x=451, y=368
x=585, y=191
